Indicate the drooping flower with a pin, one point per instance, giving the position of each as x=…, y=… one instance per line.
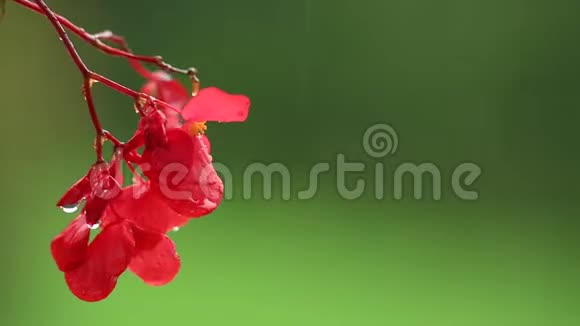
x=179, y=183
x=180, y=169
x=91, y=270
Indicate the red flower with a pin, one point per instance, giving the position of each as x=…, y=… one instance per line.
x=178, y=165
x=91, y=270
x=181, y=183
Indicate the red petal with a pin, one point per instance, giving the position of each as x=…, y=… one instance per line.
x=144, y=207
x=173, y=158
x=173, y=118
x=153, y=124
x=155, y=260
x=206, y=143
x=213, y=104
x=70, y=246
x=107, y=257
x=110, y=217
x=173, y=93
x=94, y=209
x=169, y=91
x=103, y=192
x=76, y=193
x=103, y=184
x=166, y=89
x=197, y=193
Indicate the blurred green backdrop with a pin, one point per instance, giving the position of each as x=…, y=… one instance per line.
x=485, y=81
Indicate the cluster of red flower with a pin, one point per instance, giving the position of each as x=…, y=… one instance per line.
x=178, y=182
x=169, y=155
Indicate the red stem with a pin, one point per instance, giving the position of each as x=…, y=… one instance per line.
x=59, y=21
x=95, y=40
x=120, y=41
x=109, y=136
x=129, y=92
x=89, y=76
x=87, y=84
x=63, y=36
x=84, y=71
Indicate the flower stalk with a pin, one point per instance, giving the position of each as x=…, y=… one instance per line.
x=89, y=77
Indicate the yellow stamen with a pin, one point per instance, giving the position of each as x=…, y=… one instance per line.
x=197, y=128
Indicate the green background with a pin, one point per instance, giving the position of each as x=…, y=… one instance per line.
x=495, y=82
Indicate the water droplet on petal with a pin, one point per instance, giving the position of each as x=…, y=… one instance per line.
x=70, y=208
x=94, y=226
x=175, y=229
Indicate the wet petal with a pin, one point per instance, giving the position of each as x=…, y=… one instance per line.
x=103, y=184
x=94, y=209
x=107, y=257
x=200, y=191
x=76, y=193
x=213, y=104
x=70, y=246
x=99, y=200
x=156, y=262
x=173, y=158
x=143, y=206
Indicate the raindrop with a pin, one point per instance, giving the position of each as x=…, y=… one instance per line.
x=175, y=229
x=70, y=208
x=94, y=226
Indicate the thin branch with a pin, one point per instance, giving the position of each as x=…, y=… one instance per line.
x=63, y=36
x=109, y=136
x=87, y=83
x=90, y=77
x=95, y=40
x=120, y=41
